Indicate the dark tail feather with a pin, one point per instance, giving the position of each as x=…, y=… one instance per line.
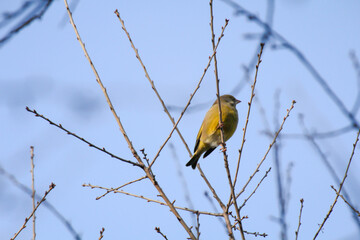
x=193, y=161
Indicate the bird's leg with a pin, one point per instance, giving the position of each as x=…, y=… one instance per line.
x=223, y=145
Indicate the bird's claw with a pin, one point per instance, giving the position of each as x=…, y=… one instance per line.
x=223, y=148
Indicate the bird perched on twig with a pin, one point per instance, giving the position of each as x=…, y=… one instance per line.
x=209, y=136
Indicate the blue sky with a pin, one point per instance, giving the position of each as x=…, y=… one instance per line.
x=43, y=67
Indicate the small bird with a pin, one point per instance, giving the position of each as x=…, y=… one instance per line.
x=209, y=136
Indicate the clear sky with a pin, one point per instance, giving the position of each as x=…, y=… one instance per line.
x=43, y=67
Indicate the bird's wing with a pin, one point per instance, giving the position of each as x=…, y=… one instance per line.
x=212, y=124
x=198, y=138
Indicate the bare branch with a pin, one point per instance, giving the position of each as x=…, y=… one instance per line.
x=256, y=234
x=101, y=233
x=115, y=189
x=82, y=139
x=151, y=200
x=298, y=228
x=157, y=229
x=247, y=199
x=198, y=226
x=51, y=187
x=340, y=187
x=343, y=198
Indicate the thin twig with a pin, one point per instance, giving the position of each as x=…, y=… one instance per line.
x=82, y=139
x=114, y=189
x=248, y=113
x=343, y=198
x=340, y=187
x=198, y=225
x=151, y=200
x=256, y=234
x=247, y=199
x=145, y=156
x=51, y=187
x=33, y=187
x=157, y=229
x=101, y=233
x=270, y=146
x=298, y=228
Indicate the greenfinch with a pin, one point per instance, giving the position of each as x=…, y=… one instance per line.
x=209, y=136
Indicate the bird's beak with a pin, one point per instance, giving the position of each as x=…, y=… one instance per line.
x=238, y=101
